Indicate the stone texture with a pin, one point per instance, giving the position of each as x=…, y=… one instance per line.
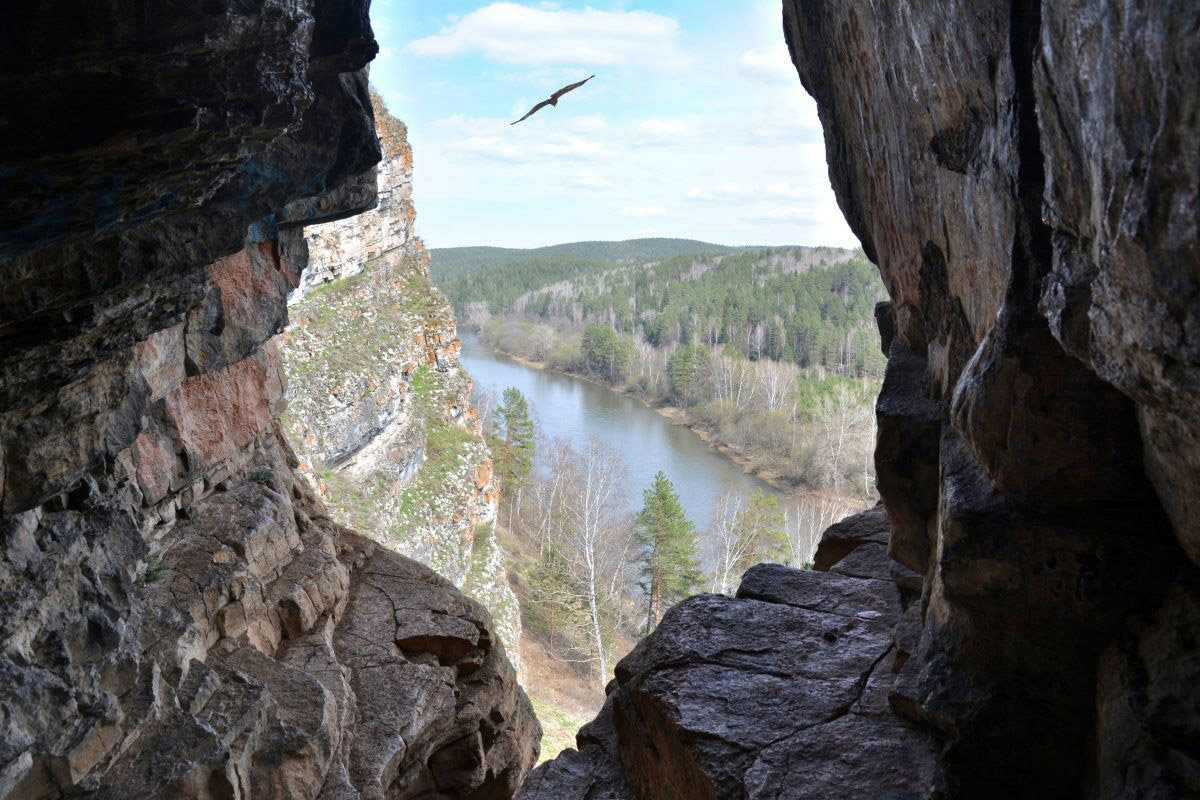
x=842, y=538
x=341, y=249
x=770, y=694
x=1119, y=136
x=181, y=619
x=380, y=409
x=998, y=164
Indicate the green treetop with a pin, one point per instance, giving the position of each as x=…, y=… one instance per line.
x=668, y=540
x=515, y=458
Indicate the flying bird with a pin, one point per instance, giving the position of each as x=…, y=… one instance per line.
x=553, y=101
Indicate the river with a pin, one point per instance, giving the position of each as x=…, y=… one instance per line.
x=577, y=410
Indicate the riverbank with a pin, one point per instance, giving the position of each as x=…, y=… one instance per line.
x=681, y=417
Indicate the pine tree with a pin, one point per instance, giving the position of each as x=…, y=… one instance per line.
x=670, y=569
x=515, y=461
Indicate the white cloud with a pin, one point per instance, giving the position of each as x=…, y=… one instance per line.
x=661, y=131
x=789, y=191
x=792, y=129
x=491, y=146
x=813, y=213
x=593, y=181
x=736, y=191
x=585, y=123
x=723, y=191
x=773, y=64
x=511, y=33
x=495, y=138
x=781, y=214
x=525, y=149
x=643, y=211
x=573, y=147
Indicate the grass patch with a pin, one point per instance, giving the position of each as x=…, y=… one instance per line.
x=558, y=728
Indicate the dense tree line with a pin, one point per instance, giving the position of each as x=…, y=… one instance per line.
x=450, y=261
x=811, y=307
x=808, y=426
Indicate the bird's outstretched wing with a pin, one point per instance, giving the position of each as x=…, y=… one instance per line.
x=553, y=100
x=533, y=111
x=573, y=86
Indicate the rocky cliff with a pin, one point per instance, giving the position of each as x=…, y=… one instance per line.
x=379, y=410
x=1021, y=615
x=181, y=618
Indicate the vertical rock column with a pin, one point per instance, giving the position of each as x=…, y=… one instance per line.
x=965, y=148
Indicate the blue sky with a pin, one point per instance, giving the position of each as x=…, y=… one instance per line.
x=696, y=124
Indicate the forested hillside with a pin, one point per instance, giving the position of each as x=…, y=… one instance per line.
x=450, y=261
x=809, y=306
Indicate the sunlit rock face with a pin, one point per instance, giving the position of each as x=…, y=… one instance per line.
x=1025, y=176
x=181, y=618
x=781, y=691
x=343, y=248
x=379, y=409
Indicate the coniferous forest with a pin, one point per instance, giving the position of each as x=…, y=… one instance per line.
x=809, y=306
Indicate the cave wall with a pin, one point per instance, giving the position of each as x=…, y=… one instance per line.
x=181, y=618
x=1024, y=175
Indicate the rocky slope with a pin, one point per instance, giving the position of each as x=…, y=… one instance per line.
x=779, y=692
x=379, y=409
x=1025, y=176
x=180, y=617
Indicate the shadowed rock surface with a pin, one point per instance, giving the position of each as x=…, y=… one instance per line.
x=181, y=620
x=180, y=617
x=1025, y=176
x=779, y=692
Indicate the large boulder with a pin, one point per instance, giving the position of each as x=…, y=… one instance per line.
x=780, y=692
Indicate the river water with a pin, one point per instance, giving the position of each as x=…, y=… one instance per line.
x=577, y=410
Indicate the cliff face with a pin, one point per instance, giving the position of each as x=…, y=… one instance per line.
x=1025, y=176
x=379, y=408
x=180, y=616
x=1026, y=179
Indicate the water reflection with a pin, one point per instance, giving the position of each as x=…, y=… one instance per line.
x=576, y=410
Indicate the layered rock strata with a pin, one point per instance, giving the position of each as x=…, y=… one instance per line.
x=180, y=617
x=343, y=248
x=379, y=408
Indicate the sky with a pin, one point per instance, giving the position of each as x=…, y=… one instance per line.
x=695, y=126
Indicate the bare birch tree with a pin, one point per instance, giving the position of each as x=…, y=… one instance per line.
x=727, y=549
x=594, y=544
x=804, y=523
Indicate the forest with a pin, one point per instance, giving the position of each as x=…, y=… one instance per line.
x=770, y=354
x=812, y=307
x=452, y=261
x=592, y=577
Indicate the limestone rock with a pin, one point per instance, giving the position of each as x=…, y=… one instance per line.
x=181, y=619
x=379, y=409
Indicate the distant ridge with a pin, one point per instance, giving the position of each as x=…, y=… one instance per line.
x=451, y=261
